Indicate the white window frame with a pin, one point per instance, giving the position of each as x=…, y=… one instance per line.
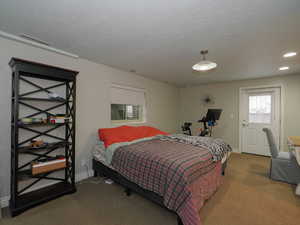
x=144, y=111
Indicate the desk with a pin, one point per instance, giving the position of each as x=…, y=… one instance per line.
x=294, y=146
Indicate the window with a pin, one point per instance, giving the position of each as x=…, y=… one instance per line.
x=260, y=110
x=127, y=104
x=121, y=112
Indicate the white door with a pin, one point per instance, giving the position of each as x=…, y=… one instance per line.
x=259, y=108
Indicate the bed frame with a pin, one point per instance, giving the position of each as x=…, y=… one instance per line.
x=103, y=171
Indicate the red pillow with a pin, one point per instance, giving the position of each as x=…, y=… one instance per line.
x=126, y=133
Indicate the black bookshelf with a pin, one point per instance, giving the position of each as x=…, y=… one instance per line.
x=27, y=196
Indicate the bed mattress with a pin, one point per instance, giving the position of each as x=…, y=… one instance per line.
x=99, y=155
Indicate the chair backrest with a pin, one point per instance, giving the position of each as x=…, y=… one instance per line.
x=271, y=141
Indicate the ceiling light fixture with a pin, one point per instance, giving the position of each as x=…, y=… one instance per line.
x=284, y=68
x=204, y=65
x=289, y=54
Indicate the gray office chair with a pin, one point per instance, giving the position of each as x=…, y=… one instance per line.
x=284, y=166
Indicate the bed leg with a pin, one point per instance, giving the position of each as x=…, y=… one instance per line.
x=179, y=222
x=128, y=191
x=98, y=174
x=224, y=166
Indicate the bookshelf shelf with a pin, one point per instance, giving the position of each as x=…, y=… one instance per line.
x=41, y=99
x=28, y=149
x=24, y=125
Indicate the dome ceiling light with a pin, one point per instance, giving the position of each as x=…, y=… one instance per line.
x=284, y=68
x=289, y=54
x=204, y=65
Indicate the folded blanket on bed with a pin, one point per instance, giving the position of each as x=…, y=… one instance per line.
x=184, y=175
x=216, y=146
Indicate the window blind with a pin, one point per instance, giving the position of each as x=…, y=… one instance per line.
x=127, y=95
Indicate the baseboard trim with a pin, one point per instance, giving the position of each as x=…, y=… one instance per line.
x=236, y=150
x=83, y=175
x=4, y=201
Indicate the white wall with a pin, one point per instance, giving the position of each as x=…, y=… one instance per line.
x=93, y=100
x=226, y=96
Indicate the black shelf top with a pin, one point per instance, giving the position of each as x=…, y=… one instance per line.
x=42, y=195
x=42, y=71
x=42, y=99
x=49, y=146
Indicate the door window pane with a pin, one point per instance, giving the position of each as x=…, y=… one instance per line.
x=260, y=110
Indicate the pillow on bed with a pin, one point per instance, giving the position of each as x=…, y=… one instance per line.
x=127, y=133
x=100, y=144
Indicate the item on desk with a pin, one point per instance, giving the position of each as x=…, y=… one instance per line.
x=48, y=165
x=55, y=96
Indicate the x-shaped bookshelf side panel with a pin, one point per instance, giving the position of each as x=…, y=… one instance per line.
x=39, y=87
x=39, y=110
x=41, y=133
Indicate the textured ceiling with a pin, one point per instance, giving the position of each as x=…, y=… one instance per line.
x=162, y=39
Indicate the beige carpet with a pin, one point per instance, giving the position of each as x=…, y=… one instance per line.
x=247, y=197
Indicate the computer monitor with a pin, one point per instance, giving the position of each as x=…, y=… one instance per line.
x=213, y=114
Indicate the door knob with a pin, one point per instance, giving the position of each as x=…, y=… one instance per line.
x=244, y=123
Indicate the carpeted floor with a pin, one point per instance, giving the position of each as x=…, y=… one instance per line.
x=247, y=197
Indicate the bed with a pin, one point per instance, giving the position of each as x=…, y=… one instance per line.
x=177, y=172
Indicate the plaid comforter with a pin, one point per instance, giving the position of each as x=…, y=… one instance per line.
x=184, y=175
